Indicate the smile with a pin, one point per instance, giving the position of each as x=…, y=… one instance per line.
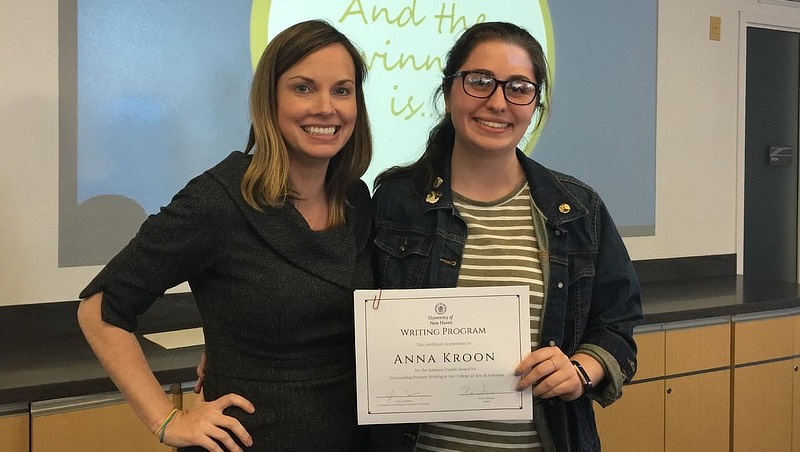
x=311, y=130
x=492, y=124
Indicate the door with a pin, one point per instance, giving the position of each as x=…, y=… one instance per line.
x=771, y=120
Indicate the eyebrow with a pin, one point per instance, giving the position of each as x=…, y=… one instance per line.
x=312, y=81
x=512, y=77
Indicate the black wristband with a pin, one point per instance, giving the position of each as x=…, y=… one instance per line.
x=583, y=376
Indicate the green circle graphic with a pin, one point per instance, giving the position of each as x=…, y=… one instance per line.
x=404, y=45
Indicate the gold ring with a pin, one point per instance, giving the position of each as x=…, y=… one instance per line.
x=555, y=366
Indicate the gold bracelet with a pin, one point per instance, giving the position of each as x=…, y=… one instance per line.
x=164, y=424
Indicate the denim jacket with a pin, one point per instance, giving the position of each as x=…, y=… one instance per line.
x=592, y=298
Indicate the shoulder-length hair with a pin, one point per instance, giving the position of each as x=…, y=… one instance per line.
x=442, y=136
x=266, y=181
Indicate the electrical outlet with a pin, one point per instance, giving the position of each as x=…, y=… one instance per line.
x=715, y=28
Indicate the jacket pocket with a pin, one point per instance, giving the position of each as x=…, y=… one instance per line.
x=581, y=276
x=402, y=259
x=579, y=296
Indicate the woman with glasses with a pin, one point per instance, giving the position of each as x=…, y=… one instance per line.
x=476, y=211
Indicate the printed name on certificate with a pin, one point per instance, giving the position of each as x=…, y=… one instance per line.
x=425, y=355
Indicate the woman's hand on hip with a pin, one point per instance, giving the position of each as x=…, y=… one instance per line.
x=205, y=425
x=201, y=373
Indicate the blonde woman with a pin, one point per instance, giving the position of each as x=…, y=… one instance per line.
x=272, y=241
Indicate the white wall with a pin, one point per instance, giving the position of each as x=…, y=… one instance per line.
x=696, y=150
x=697, y=138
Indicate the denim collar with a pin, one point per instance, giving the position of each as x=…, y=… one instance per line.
x=557, y=203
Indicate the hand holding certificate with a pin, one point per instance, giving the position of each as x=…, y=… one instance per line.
x=431, y=355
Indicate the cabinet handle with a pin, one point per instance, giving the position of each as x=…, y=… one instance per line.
x=796, y=368
x=669, y=390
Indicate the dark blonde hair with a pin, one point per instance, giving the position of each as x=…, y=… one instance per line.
x=442, y=136
x=266, y=181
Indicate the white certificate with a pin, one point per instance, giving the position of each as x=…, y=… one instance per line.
x=431, y=355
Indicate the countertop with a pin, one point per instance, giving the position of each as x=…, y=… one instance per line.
x=44, y=356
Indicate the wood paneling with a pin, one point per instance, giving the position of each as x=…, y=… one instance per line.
x=797, y=335
x=110, y=427
x=701, y=348
x=650, y=355
x=14, y=432
x=762, y=407
x=759, y=340
x=698, y=413
x=796, y=406
x=636, y=421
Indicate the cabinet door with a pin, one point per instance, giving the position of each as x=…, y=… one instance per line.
x=698, y=413
x=762, y=340
x=190, y=398
x=762, y=400
x=634, y=422
x=762, y=379
x=796, y=406
x=650, y=355
x=14, y=430
x=797, y=335
x=90, y=424
x=796, y=388
x=697, y=348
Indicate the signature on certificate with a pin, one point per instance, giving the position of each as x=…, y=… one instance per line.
x=393, y=394
x=469, y=391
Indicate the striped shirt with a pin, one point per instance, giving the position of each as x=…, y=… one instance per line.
x=501, y=249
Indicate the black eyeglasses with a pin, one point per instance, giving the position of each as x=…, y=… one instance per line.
x=482, y=86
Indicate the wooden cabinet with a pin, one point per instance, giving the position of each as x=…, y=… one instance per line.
x=763, y=381
x=796, y=387
x=679, y=399
x=717, y=386
x=796, y=403
x=100, y=422
x=636, y=421
x=190, y=398
x=698, y=412
x=762, y=407
x=697, y=408
x=14, y=428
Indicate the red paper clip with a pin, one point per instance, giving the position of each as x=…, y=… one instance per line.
x=376, y=300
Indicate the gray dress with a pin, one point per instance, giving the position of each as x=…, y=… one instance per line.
x=275, y=300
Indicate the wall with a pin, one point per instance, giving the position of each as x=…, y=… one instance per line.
x=696, y=132
x=696, y=142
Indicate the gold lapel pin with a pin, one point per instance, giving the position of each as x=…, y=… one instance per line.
x=564, y=208
x=433, y=197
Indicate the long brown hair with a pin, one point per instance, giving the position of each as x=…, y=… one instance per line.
x=266, y=181
x=442, y=136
